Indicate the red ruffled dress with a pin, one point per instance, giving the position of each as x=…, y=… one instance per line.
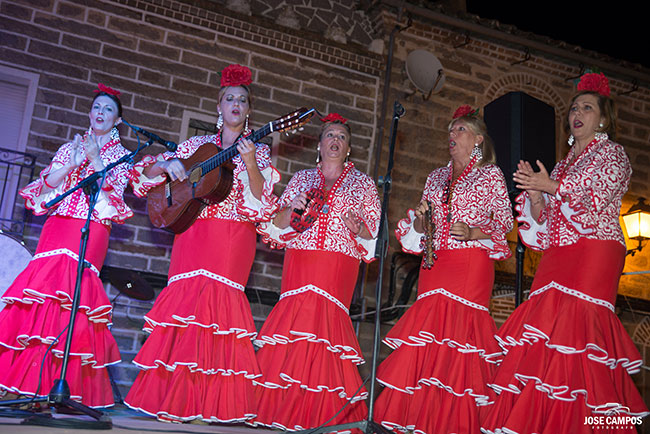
x=568, y=358
x=444, y=350
x=198, y=361
x=39, y=301
x=308, y=348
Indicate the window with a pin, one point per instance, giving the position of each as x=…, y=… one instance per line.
x=197, y=124
x=17, y=96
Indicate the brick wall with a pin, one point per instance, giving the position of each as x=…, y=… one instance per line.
x=478, y=73
x=165, y=55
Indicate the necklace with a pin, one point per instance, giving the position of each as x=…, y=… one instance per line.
x=572, y=160
x=328, y=192
x=219, y=143
x=451, y=186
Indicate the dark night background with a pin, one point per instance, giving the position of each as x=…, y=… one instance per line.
x=618, y=29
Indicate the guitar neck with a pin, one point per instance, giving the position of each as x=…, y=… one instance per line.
x=229, y=153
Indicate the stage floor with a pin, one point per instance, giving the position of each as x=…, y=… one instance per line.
x=125, y=421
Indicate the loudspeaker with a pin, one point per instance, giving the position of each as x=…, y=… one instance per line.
x=522, y=128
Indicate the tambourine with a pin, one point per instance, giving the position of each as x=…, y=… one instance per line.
x=302, y=219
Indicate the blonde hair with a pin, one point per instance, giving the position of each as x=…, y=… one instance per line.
x=478, y=127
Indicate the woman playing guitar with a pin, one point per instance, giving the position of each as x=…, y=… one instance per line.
x=199, y=362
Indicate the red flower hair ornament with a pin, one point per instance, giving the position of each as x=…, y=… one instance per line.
x=109, y=90
x=594, y=82
x=333, y=117
x=236, y=75
x=464, y=110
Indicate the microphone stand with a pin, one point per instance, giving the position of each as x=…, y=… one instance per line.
x=59, y=395
x=519, y=273
x=369, y=426
x=520, y=251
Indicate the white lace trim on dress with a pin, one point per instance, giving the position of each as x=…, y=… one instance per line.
x=208, y=274
x=318, y=291
x=453, y=296
x=68, y=252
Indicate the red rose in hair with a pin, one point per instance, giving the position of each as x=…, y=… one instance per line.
x=595, y=83
x=334, y=117
x=102, y=88
x=236, y=75
x=464, y=110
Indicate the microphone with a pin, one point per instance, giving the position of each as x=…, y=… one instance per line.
x=171, y=146
x=398, y=110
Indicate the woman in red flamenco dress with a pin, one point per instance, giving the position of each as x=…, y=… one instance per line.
x=444, y=351
x=568, y=359
x=309, y=351
x=39, y=301
x=198, y=363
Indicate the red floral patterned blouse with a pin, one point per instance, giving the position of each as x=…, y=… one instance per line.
x=587, y=202
x=110, y=205
x=479, y=199
x=353, y=191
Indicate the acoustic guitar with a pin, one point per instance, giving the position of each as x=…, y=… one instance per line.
x=175, y=205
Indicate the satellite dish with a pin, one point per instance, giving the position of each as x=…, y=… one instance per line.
x=425, y=72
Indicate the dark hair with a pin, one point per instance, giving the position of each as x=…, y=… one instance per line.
x=607, y=112
x=324, y=126
x=115, y=99
x=478, y=127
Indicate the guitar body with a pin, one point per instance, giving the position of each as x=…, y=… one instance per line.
x=175, y=205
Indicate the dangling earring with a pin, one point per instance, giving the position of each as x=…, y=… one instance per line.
x=115, y=133
x=219, y=121
x=571, y=140
x=318, y=154
x=347, y=157
x=477, y=153
x=246, y=130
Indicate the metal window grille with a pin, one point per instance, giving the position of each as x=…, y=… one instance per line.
x=16, y=170
x=201, y=128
